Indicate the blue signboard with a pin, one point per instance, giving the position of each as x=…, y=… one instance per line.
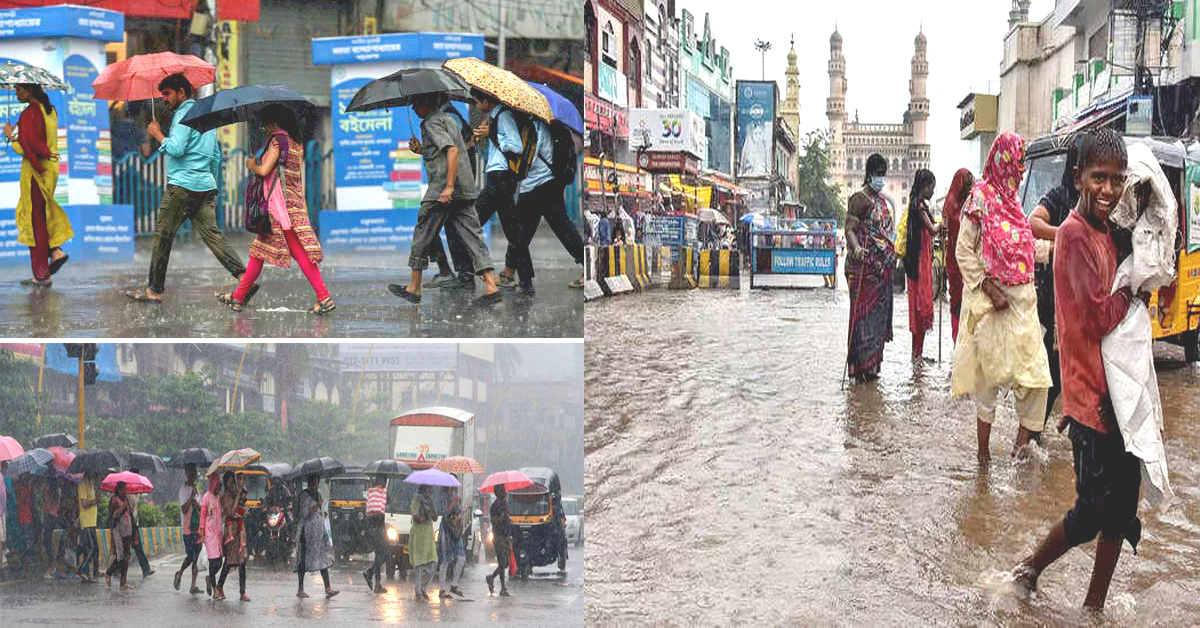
x=363, y=141
x=62, y=21
x=803, y=262
x=372, y=231
x=84, y=117
x=102, y=233
x=10, y=111
x=106, y=361
x=395, y=47
x=755, y=143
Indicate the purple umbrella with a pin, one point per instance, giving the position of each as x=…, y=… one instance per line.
x=433, y=477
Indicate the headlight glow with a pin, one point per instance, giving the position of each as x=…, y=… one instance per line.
x=392, y=535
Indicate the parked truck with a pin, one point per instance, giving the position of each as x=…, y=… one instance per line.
x=420, y=438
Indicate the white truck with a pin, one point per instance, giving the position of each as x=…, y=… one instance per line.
x=420, y=438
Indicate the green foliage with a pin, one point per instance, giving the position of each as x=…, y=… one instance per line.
x=170, y=514
x=18, y=389
x=820, y=196
x=102, y=510
x=150, y=516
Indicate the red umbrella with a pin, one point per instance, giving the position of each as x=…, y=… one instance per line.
x=511, y=480
x=62, y=458
x=137, y=77
x=10, y=448
x=134, y=483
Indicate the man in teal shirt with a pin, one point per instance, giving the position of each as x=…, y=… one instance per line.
x=193, y=165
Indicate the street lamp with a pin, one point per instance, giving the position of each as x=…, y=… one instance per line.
x=763, y=47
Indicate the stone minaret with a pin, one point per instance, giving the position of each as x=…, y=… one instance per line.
x=918, y=107
x=835, y=107
x=790, y=111
x=1019, y=13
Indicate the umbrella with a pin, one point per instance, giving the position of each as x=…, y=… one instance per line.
x=198, y=456
x=29, y=461
x=95, y=461
x=134, y=483
x=147, y=463
x=564, y=110
x=137, y=77
x=13, y=73
x=10, y=448
x=433, y=477
x=391, y=468
x=503, y=85
x=323, y=466
x=399, y=88
x=511, y=480
x=62, y=462
x=235, y=459
x=55, y=440
x=241, y=104
x=459, y=464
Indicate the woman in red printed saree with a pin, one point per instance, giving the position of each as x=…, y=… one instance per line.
x=918, y=260
x=292, y=236
x=870, y=260
x=960, y=190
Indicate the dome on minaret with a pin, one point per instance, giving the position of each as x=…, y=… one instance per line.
x=836, y=38
x=792, y=53
x=920, y=40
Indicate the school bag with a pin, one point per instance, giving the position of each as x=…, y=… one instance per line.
x=258, y=216
x=518, y=163
x=565, y=160
x=468, y=137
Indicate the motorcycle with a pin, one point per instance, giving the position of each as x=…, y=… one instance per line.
x=279, y=536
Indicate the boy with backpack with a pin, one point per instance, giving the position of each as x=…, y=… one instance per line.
x=512, y=141
x=541, y=193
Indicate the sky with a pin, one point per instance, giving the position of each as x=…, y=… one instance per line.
x=965, y=47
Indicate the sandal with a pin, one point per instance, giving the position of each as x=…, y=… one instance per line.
x=323, y=307
x=34, y=283
x=233, y=303
x=140, y=296
x=488, y=299
x=402, y=292
x=58, y=263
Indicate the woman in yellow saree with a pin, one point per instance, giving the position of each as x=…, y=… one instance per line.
x=41, y=224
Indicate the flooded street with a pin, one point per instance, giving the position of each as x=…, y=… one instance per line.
x=731, y=481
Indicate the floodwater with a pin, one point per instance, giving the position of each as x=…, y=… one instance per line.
x=86, y=299
x=731, y=480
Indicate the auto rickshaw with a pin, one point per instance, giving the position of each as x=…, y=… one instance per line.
x=347, y=513
x=1175, y=310
x=539, y=526
x=259, y=479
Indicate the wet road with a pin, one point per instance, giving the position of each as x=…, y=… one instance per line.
x=547, y=600
x=86, y=300
x=730, y=481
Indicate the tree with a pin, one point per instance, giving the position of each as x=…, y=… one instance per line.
x=820, y=196
x=18, y=386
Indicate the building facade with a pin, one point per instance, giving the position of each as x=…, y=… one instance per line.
x=706, y=87
x=660, y=90
x=904, y=145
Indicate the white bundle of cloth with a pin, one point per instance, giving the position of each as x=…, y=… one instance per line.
x=1127, y=350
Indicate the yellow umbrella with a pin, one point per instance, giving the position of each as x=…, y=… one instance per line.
x=505, y=86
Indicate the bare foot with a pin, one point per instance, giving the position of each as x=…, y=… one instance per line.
x=1025, y=580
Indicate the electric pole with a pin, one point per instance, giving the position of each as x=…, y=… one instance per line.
x=763, y=47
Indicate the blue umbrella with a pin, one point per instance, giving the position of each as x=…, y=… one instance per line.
x=564, y=110
x=241, y=104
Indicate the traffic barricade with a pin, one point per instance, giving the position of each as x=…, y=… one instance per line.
x=591, y=286
x=683, y=271
x=612, y=270
x=719, y=268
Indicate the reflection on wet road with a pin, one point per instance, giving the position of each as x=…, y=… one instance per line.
x=86, y=300
x=730, y=480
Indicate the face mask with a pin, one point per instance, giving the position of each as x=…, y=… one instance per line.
x=877, y=183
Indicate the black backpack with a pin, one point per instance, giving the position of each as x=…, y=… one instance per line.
x=565, y=161
x=468, y=136
x=518, y=163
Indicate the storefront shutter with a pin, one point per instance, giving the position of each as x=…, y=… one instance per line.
x=279, y=46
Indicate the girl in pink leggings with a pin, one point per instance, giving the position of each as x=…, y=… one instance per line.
x=291, y=237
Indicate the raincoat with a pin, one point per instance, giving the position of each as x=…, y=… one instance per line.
x=1127, y=350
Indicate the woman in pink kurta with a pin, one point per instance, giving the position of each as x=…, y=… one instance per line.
x=211, y=520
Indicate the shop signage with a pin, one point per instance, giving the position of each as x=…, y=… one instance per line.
x=604, y=117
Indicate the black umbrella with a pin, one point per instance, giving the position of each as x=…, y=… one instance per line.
x=198, y=456
x=242, y=104
x=145, y=463
x=399, y=88
x=96, y=461
x=66, y=441
x=323, y=466
x=390, y=468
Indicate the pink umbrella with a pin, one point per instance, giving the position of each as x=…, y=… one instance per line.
x=134, y=483
x=459, y=464
x=137, y=77
x=511, y=480
x=10, y=448
x=62, y=458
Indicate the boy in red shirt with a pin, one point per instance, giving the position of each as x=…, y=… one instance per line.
x=1107, y=478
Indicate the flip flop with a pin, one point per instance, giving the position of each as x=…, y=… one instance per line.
x=323, y=307
x=488, y=299
x=36, y=284
x=58, y=263
x=139, y=296
x=402, y=292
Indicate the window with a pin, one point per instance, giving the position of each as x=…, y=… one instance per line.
x=662, y=25
x=650, y=60
x=607, y=43
x=589, y=21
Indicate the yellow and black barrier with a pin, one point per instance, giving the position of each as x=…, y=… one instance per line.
x=660, y=266
x=591, y=285
x=719, y=268
x=635, y=270
x=612, y=268
x=683, y=271
x=155, y=541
